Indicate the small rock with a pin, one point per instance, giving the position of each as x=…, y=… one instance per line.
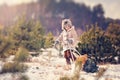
x=37, y=67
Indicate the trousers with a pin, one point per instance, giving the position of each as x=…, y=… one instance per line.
x=69, y=56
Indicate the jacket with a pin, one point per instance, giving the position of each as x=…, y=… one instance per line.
x=67, y=36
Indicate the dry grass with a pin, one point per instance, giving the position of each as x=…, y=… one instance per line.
x=100, y=73
x=76, y=72
x=78, y=67
x=65, y=78
x=21, y=55
x=13, y=67
x=24, y=77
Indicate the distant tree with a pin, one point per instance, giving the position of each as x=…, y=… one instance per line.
x=98, y=15
x=80, y=14
x=43, y=4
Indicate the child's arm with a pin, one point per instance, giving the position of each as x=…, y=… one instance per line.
x=60, y=38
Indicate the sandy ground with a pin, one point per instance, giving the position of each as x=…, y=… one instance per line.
x=49, y=66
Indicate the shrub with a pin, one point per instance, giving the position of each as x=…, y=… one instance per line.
x=13, y=67
x=22, y=54
x=101, y=72
x=78, y=67
x=64, y=78
x=76, y=72
x=24, y=77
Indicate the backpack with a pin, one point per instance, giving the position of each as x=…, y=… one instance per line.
x=90, y=66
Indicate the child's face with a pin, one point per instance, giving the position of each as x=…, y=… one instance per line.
x=67, y=28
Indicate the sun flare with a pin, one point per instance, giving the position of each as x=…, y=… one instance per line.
x=15, y=2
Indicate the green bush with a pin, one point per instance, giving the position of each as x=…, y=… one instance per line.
x=28, y=33
x=49, y=40
x=13, y=67
x=21, y=55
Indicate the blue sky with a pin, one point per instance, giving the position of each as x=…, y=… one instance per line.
x=111, y=7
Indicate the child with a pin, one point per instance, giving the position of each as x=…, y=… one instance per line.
x=68, y=38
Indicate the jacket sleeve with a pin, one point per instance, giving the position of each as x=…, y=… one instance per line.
x=74, y=37
x=60, y=38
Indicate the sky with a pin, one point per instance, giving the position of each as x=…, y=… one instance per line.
x=111, y=7
x=14, y=2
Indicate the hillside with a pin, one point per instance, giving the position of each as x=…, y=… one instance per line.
x=51, y=13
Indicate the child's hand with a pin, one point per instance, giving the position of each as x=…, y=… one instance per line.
x=56, y=43
x=70, y=41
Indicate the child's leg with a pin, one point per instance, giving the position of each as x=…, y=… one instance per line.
x=67, y=56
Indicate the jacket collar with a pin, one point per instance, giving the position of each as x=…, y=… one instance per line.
x=69, y=29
